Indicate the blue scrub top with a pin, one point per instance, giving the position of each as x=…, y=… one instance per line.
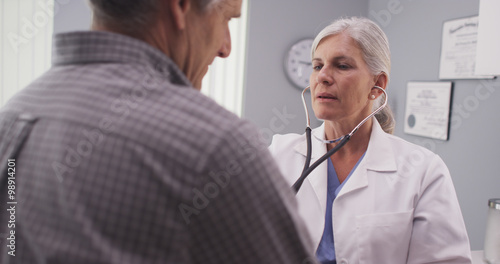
x=326, y=249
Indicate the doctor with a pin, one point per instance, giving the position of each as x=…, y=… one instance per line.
x=379, y=199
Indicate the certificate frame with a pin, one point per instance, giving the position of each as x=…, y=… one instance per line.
x=458, y=49
x=428, y=109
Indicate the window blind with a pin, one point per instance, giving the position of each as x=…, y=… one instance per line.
x=25, y=43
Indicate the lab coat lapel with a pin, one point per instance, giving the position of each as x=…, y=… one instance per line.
x=379, y=157
x=318, y=177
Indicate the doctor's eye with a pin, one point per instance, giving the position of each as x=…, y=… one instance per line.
x=343, y=66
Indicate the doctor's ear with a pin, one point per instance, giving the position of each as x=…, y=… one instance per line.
x=381, y=80
x=375, y=92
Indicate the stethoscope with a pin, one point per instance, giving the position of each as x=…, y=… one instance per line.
x=342, y=140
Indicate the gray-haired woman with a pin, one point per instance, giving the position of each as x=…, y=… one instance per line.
x=379, y=199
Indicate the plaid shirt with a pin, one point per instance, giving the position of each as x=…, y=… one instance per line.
x=127, y=163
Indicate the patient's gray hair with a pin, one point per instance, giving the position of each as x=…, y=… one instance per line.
x=375, y=48
x=131, y=15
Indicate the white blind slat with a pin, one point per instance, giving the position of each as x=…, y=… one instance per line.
x=25, y=43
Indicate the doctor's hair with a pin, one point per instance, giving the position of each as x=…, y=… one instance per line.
x=375, y=49
x=131, y=17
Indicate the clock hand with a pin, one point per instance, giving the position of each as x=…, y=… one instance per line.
x=305, y=62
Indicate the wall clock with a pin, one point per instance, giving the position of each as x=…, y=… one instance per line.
x=298, y=66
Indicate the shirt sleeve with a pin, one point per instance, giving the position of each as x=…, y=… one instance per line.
x=248, y=214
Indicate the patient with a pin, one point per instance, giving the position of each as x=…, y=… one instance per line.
x=128, y=163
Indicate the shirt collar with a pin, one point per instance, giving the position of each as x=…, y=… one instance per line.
x=107, y=47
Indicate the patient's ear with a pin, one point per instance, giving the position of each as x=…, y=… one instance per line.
x=178, y=10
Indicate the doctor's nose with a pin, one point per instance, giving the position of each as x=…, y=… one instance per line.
x=324, y=77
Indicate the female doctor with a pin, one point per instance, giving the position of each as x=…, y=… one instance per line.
x=379, y=199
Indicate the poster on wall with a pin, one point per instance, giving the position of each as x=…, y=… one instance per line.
x=458, y=49
x=428, y=109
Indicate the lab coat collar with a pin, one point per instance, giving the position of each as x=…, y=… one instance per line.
x=318, y=147
x=379, y=154
x=379, y=157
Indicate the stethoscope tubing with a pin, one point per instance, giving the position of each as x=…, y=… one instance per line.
x=308, y=169
x=342, y=141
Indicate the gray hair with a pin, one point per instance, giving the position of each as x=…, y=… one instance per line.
x=376, y=54
x=131, y=16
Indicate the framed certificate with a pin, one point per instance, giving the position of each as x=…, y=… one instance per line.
x=428, y=109
x=458, y=49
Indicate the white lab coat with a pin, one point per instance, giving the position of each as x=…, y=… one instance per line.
x=399, y=205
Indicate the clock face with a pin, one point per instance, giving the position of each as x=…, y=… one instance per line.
x=298, y=66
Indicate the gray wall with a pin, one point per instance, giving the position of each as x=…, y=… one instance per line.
x=471, y=153
x=71, y=15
